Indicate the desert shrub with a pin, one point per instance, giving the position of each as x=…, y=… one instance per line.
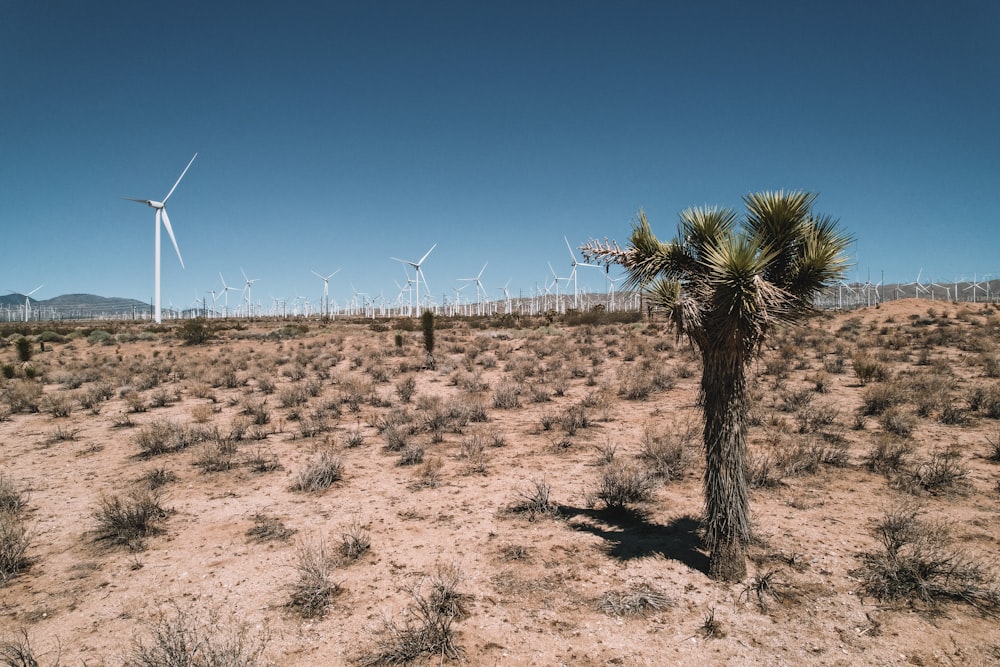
x=665, y=453
x=292, y=396
x=426, y=628
x=535, y=502
x=257, y=410
x=622, y=485
x=184, y=640
x=507, y=396
x=574, y=419
x=14, y=543
x=898, y=422
x=312, y=592
x=22, y=395
x=396, y=438
x=19, y=652
x=878, y=398
x=355, y=541
x=163, y=436
x=100, y=336
x=216, y=456
x=993, y=442
x=915, y=564
x=944, y=473
x=405, y=388
x=636, y=601
x=268, y=529
x=473, y=453
x=8, y=371
x=889, y=455
x=319, y=473
x=195, y=331
x=354, y=438
x=411, y=454
x=127, y=519
x=12, y=498
x=156, y=478
x=868, y=370
x=762, y=470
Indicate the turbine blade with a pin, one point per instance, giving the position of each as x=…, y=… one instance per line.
x=141, y=201
x=179, y=179
x=170, y=231
x=569, y=248
x=427, y=253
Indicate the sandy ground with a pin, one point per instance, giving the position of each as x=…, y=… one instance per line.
x=531, y=586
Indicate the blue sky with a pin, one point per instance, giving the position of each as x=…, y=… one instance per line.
x=336, y=135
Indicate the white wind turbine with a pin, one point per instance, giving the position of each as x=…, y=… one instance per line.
x=214, y=294
x=246, y=291
x=161, y=212
x=419, y=274
x=572, y=274
x=27, y=300
x=480, y=290
x=326, y=291
x=226, y=289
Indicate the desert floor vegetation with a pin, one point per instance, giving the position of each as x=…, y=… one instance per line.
x=293, y=493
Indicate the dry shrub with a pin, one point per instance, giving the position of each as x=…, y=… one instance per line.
x=14, y=543
x=320, y=473
x=889, y=455
x=426, y=625
x=622, y=485
x=638, y=600
x=534, y=503
x=943, y=474
x=184, y=640
x=13, y=499
x=507, y=396
x=665, y=453
x=355, y=541
x=898, y=422
x=915, y=564
x=313, y=591
x=473, y=453
x=879, y=398
x=127, y=519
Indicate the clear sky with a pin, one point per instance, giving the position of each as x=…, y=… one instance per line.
x=335, y=135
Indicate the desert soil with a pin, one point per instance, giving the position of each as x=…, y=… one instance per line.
x=532, y=586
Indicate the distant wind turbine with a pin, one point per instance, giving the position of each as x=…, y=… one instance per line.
x=246, y=291
x=420, y=274
x=161, y=212
x=326, y=290
x=27, y=300
x=573, y=272
x=226, y=289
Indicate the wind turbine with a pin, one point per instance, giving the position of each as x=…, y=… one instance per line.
x=326, y=290
x=226, y=289
x=27, y=300
x=214, y=294
x=480, y=290
x=420, y=275
x=161, y=212
x=246, y=291
x=573, y=272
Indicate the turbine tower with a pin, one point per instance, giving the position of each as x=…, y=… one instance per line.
x=161, y=212
x=420, y=274
x=246, y=291
x=226, y=289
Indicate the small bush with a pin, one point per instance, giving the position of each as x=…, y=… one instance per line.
x=665, y=453
x=534, y=503
x=313, y=590
x=868, y=370
x=355, y=541
x=943, y=473
x=916, y=565
x=622, y=485
x=411, y=454
x=898, y=422
x=127, y=519
x=12, y=499
x=320, y=473
x=507, y=396
x=195, y=331
x=184, y=640
x=879, y=398
x=435, y=604
x=14, y=543
x=889, y=455
x=23, y=346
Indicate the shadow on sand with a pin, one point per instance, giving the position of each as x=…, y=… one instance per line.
x=629, y=534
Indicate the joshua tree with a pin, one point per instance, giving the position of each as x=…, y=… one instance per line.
x=427, y=323
x=725, y=284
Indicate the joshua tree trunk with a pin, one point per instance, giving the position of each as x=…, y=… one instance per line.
x=727, y=503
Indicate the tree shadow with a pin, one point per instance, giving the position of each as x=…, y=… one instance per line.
x=629, y=534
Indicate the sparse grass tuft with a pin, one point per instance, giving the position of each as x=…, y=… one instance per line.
x=355, y=541
x=535, y=503
x=623, y=484
x=268, y=529
x=320, y=473
x=14, y=543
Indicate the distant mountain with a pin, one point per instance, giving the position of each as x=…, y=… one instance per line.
x=70, y=307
